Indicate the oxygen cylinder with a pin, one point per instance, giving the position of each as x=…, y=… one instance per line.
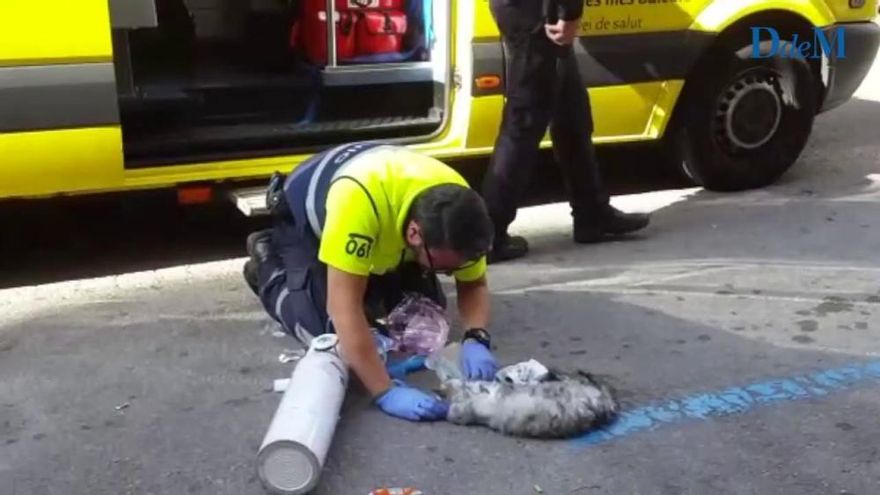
x=294, y=449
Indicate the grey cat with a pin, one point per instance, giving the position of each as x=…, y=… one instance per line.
x=561, y=405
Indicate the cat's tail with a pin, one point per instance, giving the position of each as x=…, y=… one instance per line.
x=608, y=409
x=608, y=406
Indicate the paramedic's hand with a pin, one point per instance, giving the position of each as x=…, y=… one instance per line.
x=563, y=32
x=477, y=361
x=410, y=403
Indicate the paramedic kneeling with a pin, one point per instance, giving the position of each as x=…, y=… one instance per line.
x=356, y=226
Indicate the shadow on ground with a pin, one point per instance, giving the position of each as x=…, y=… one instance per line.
x=75, y=238
x=83, y=237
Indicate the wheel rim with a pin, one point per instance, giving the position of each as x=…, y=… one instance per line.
x=749, y=112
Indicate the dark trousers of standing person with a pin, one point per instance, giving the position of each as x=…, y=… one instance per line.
x=543, y=87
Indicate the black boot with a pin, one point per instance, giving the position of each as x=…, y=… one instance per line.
x=592, y=227
x=259, y=245
x=251, y=273
x=259, y=248
x=508, y=247
x=617, y=222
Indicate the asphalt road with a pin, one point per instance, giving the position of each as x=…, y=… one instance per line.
x=740, y=331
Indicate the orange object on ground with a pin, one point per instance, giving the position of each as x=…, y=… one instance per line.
x=396, y=491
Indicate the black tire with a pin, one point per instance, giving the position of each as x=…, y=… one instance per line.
x=745, y=121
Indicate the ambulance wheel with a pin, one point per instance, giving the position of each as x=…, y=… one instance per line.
x=746, y=120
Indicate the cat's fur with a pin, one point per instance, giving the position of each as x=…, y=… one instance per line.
x=562, y=405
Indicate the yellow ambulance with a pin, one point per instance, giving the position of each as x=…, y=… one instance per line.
x=209, y=97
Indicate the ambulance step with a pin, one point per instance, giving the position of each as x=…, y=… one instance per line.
x=250, y=200
x=385, y=73
x=173, y=145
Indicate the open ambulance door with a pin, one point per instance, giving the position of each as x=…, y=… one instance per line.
x=59, y=120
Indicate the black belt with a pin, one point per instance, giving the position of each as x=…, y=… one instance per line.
x=276, y=201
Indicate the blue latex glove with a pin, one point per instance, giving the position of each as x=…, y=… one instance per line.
x=410, y=403
x=399, y=369
x=477, y=362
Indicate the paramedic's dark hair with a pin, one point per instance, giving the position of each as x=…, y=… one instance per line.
x=454, y=217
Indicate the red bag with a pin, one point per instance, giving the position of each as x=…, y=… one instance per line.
x=310, y=34
x=349, y=5
x=379, y=32
x=343, y=5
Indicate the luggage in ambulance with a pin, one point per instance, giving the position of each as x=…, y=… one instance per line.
x=205, y=78
x=366, y=31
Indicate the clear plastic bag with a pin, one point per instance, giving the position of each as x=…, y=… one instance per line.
x=418, y=325
x=444, y=363
x=384, y=345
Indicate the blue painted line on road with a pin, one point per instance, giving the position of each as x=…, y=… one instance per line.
x=735, y=400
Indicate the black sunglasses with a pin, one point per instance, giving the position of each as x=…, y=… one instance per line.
x=467, y=264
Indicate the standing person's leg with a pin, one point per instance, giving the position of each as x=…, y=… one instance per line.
x=571, y=130
x=530, y=74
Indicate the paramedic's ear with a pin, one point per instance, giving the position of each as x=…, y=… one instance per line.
x=414, y=234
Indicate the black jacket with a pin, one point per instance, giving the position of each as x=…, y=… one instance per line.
x=537, y=12
x=569, y=10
